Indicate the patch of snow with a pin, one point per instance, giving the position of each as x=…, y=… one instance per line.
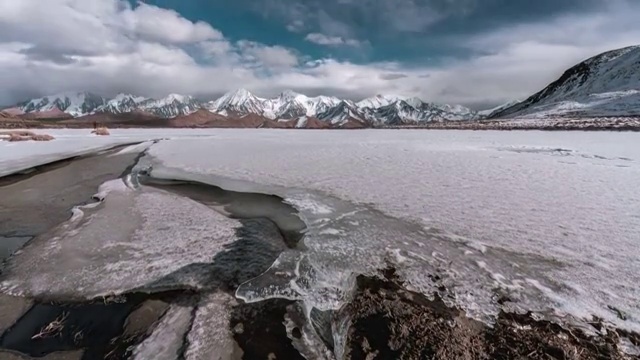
x=302, y=122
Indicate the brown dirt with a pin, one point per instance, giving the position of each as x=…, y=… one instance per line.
x=10, y=112
x=389, y=322
x=56, y=114
x=200, y=118
x=24, y=136
x=315, y=123
x=353, y=124
x=135, y=119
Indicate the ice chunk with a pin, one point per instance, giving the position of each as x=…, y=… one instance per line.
x=210, y=336
x=166, y=340
x=134, y=239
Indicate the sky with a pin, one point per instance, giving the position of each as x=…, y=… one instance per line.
x=478, y=53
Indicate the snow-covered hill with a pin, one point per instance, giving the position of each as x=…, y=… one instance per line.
x=604, y=85
x=490, y=112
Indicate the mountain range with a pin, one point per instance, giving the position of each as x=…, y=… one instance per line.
x=288, y=106
x=605, y=85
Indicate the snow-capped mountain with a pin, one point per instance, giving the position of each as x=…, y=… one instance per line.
x=378, y=101
x=379, y=110
x=74, y=104
x=237, y=103
x=288, y=105
x=490, y=112
x=344, y=112
x=171, y=106
x=122, y=103
x=606, y=84
x=415, y=111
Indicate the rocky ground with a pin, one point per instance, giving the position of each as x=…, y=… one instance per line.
x=389, y=322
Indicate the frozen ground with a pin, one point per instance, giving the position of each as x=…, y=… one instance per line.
x=15, y=156
x=567, y=199
x=548, y=220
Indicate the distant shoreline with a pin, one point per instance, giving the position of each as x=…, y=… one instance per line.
x=556, y=124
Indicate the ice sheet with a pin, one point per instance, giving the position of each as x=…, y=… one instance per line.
x=134, y=239
x=17, y=156
x=167, y=338
x=210, y=336
x=577, y=210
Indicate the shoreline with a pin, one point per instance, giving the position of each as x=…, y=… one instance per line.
x=608, y=123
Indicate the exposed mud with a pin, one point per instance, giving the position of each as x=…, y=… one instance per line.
x=389, y=322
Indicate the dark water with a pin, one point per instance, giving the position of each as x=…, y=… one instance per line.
x=94, y=326
x=9, y=245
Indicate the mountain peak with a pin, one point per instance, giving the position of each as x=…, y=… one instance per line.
x=177, y=97
x=414, y=101
x=604, y=85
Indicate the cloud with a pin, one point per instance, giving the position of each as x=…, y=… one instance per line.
x=270, y=56
x=392, y=76
x=296, y=26
x=327, y=40
x=157, y=24
x=108, y=46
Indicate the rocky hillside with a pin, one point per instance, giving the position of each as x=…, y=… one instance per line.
x=604, y=85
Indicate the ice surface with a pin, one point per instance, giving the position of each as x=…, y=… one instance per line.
x=166, y=340
x=17, y=156
x=210, y=337
x=142, y=238
x=549, y=220
x=569, y=222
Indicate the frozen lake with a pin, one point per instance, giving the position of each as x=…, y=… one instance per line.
x=548, y=220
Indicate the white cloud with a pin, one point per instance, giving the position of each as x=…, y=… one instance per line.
x=322, y=39
x=296, y=26
x=165, y=25
x=270, y=56
x=95, y=45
